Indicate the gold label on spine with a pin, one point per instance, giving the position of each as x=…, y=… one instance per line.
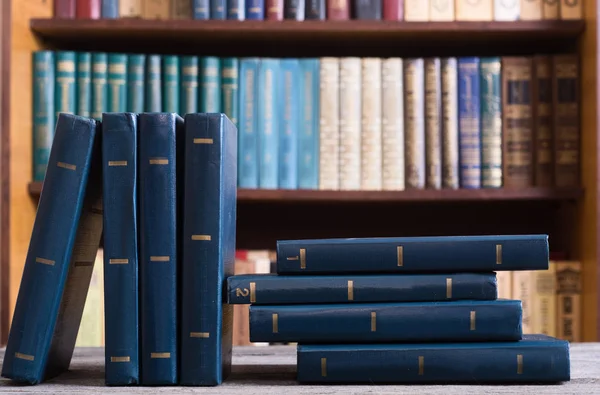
x=473, y=316
x=252, y=292
x=421, y=365
x=373, y=321
x=118, y=261
x=302, y=258
x=293, y=258
x=201, y=237
x=155, y=355
x=117, y=163
x=448, y=288
x=323, y=367
x=66, y=166
x=24, y=356
x=350, y=290
x=160, y=259
x=203, y=335
x=203, y=141
x=120, y=359
x=498, y=254
x=275, y=323
x=159, y=161
x=400, y=254
x=45, y=261
x=519, y=363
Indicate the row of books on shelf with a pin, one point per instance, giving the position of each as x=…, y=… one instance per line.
x=299, y=10
x=344, y=123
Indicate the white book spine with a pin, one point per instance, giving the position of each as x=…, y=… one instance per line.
x=414, y=100
x=350, y=123
x=507, y=10
x=371, y=167
x=392, y=74
x=416, y=10
x=441, y=10
x=329, y=137
x=469, y=10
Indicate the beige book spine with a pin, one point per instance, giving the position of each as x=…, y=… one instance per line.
x=414, y=121
x=350, y=123
x=156, y=9
x=241, y=319
x=544, y=301
x=433, y=123
x=523, y=290
x=474, y=10
x=568, y=291
x=370, y=165
x=130, y=8
x=181, y=9
x=571, y=9
x=441, y=10
x=91, y=329
x=531, y=10
x=329, y=107
x=450, y=152
x=504, y=280
x=551, y=9
x=416, y=10
x=392, y=112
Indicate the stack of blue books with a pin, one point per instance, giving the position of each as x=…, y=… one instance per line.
x=402, y=310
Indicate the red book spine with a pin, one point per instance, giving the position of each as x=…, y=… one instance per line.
x=64, y=9
x=393, y=10
x=88, y=9
x=274, y=10
x=338, y=10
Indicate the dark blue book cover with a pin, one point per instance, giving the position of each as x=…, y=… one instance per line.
x=218, y=9
x=275, y=289
x=201, y=9
x=158, y=246
x=208, y=248
x=255, y=10
x=463, y=320
x=110, y=9
x=290, y=87
x=469, y=122
x=62, y=250
x=413, y=254
x=534, y=359
x=236, y=10
x=121, y=306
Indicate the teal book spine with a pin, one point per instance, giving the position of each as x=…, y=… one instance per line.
x=117, y=82
x=491, y=122
x=188, y=102
x=248, y=127
x=208, y=248
x=170, y=83
x=534, y=359
x=268, y=123
x=43, y=111
x=153, y=99
x=99, y=85
x=230, y=89
x=84, y=84
x=65, y=91
x=407, y=322
x=210, y=84
x=289, y=122
x=308, y=134
x=469, y=122
x=135, y=83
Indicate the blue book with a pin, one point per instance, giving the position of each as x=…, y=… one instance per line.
x=201, y=9
x=62, y=250
x=84, y=84
x=218, y=9
x=99, y=84
x=308, y=134
x=275, y=289
x=236, y=10
x=255, y=10
x=188, y=99
x=268, y=123
x=43, y=113
x=65, y=91
x=461, y=321
x=117, y=82
x=289, y=122
x=135, y=82
x=158, y=246
x=153, y=84
x=208, y=248
x=110, y=9
x=491, y=122
x=469, y=122
x=121, y=306
x=414, y=254
x=534, y=359
x=248, y=135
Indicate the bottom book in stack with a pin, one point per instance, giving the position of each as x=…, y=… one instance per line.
x=429, y=327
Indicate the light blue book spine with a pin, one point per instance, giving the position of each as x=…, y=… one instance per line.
x=308, y=133
x=43, y=111
x=188, y=100
x=170, y=83
x=99, y=86
x=469, y=121
x=84, y=84
x=117, y=82
x=248, y=132
x=491, y=122
x=135, y=83
x=289, y=112
x=268, y=124
x=210, y=84
x=65, y=90
x=153, y=99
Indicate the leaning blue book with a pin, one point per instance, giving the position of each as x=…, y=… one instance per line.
x=275, y=289
x=534, y=359
x=413, y=254
x=462, y=320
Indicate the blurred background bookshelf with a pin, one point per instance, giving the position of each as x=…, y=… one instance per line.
x=569, y=214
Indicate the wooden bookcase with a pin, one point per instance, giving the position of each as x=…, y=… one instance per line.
x=569, y=216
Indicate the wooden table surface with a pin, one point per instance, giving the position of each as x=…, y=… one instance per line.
x=270, y=370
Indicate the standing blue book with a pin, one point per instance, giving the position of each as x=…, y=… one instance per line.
x=255, y=10
x=62, y=250
x=208, y=248
x=413, y=254
x=117, y=82
x=491, y=122
x=42, y=111
x=99, y=85
x=135, y=83
x=158, y=133
x=84, y=84
x=534, y=359
x=201, y=9
x=65, y=90
x=248, y=126
x=289, y=125
x=469, y=122
x=236, y=10
x=268, y=124
x=462, y=320
x=170, y=83
x=153, y=96
x=119, y=174
x=308, y=134
x=110, y=9
x=218, y=9
x=188, y=99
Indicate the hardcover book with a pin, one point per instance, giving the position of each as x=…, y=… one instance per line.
x=43, y=112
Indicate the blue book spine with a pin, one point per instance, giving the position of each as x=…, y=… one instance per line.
x=117, y=82
x=210, y=84
x=158, y=247
x=208, y=248
x=414, y=254
x=289, y=113
x=55, y=278
x=275, y=289
x=110, y=9
x=463, y=320
x=153, y=98
x=268, y=124
x=230, y=89
x=308, y=134
x=218, y=9
x=188, y=101
x=534, y=359
x=43, y=111
x=201, y=9
x=65, y=90
x=248, y=136
x=170, y=83
x=135, y=83
x=119, y=161
x=255, y=10
x=469, y=122
x=236, y=10
x=99, y=85
x=491, y=122
x=84, y=84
